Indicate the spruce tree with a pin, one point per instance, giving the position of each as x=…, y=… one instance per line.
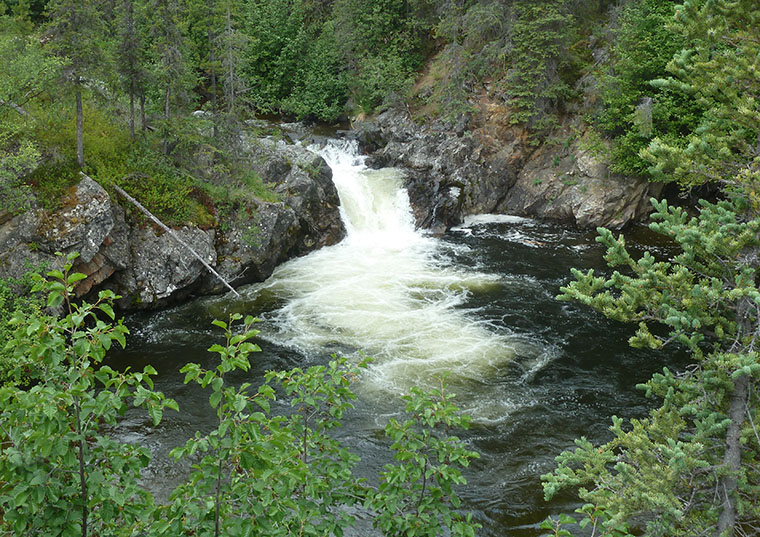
x=172, y=72
x=131, y=56
x=693, y=466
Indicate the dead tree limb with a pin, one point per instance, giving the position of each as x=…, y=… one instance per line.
x=137, y=204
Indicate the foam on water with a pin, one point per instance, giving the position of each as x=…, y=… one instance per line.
x=389, y=292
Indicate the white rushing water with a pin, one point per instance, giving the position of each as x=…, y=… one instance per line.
x=388, y=291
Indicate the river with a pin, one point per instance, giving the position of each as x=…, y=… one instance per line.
x=477, y=302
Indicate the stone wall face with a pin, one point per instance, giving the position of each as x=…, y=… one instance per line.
x=491, y=168
x=148, y=268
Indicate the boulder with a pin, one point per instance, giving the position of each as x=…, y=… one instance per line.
x=303, y=181
x=87, y=222
x=576, y=185
x=161, y=268
x=255, y=241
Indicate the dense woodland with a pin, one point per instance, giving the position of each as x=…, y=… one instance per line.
x=111, y=87
x=127, y=88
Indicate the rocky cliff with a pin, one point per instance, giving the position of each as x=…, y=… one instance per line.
x=483, y=165
x=148, y=267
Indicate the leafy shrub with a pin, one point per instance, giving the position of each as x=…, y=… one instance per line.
x=152, y=179
x=61, y=473
x=259, y=473
x=15, y=300
x=15, y=196
x=264, y=474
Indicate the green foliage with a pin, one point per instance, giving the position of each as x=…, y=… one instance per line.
x=663, y=469
x=321, y=88
x=633, y=111
x=61, y=471
x=28, y=69
x=541, y=33
x=416, y=494
x=691, y=467
x=306, y=60
x=719, y=71
x=16, y=300
x=279, y=45
x=257, y=473
x=163, y=188
x=15, y=196
x=265, y=474
x=528, y=52
x=477, y=46
x=383, y=41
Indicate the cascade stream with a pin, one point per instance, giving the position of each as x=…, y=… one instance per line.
x=476, y=303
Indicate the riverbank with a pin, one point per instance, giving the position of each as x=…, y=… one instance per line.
x=121, y=250
x=487, y=166
x=482, y=167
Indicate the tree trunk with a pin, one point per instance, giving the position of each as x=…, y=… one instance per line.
x=230, y=66
x=132, y=111
x=84, y=495
x=167, y=116
x=212, y=66
x=80, y=126
x=143, y=124
x=732, y=458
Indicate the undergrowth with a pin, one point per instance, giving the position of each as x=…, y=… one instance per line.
x=165, y=185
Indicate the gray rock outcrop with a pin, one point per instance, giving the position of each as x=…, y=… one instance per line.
x=160, y=268
x=88, y=222
x=260, y=235
x=576, y=185
x=492, y=168
x=148, y=267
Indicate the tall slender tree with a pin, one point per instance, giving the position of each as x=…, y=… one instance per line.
x=77, y=31
x=131, y=57
x=233, y=43
x=171, y=68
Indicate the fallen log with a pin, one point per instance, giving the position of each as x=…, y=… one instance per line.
x=137, y=204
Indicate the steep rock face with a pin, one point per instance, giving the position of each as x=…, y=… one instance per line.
x=87, y=222
x=576, y=186
x=252, y=246
x=150, y=268
x=309, y=190
x=487, y=166
x=449, y=176
x=261, y=235
x=18, y=246
x=160, y=267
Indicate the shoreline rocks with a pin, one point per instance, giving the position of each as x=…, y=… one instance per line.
x=149, y=268
x=490, y=167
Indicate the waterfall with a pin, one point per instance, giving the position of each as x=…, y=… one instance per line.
x=387, y=290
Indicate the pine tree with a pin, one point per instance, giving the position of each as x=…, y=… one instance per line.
x=693, y=466
x=132, y=58
x=172, y=70
x=721, y=71
x=233, y=43
x=541, y=33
